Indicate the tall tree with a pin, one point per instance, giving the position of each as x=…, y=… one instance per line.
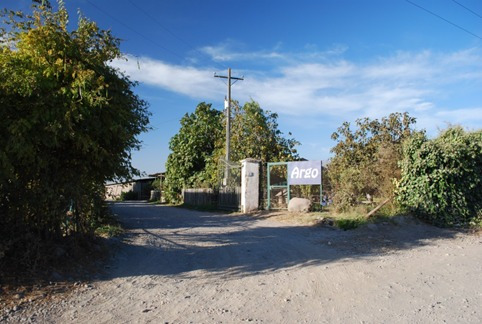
x=255, y=134
x=366, y=159
x=68, y=120
x=193, y=151
x=198, y=147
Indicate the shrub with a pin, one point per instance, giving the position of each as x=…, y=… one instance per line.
x=68, y=123
x=441, y=179
x=129, y=195
x=109, y=230
x=366, y=158
x=349, y=224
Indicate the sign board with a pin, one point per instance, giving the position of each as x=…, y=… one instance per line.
x=304, y=173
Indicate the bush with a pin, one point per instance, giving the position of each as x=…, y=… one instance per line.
x=129, y=195
x=349, y=224
x=366, y=158
x=442, y=178
x=68, y=123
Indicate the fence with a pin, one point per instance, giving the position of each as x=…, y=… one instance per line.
x=229, y=197
x=224, y=198
x=200, y=197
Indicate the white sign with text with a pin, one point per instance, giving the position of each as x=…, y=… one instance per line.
x=304, y=173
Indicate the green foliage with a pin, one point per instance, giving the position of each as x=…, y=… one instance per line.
x=255, y=134
x=192, y=150
x=109, y=230
x=200, y=143
x=68, y=122
x=129, y=195
x=349, y=223
x=442, y=178
x=156, y=184
x=365, y=160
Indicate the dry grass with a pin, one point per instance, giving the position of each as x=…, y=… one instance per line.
x=308, y=219
x=325, y=217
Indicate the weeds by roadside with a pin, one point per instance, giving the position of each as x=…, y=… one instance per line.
x=348, y=220
x=108, y=226
x=36, y=268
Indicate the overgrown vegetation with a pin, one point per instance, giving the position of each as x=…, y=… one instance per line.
x=68, y=122
x=193, y=151
x=129, y=195
x=441, y=179
x=365, y=161
x=349, y=224
x=348, y=220
x=199, y=145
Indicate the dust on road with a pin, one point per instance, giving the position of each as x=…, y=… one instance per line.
x=182, y=266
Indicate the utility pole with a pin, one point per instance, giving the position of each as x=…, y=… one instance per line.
x=228, y=116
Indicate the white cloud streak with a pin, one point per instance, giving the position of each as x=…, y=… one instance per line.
x=335, y=88
x=189, y=81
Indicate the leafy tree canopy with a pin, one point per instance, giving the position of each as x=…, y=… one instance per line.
x=255, y=134
x=192, y=150
x=366, y=158
x=441, y=179
x=68, y=120
x=199, y=145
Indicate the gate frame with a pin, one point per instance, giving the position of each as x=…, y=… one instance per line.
x=269, y=186
x=287, y=186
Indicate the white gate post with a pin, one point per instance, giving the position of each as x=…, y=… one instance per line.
x=249, y=185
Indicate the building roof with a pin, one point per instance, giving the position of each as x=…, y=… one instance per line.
x=150, y=178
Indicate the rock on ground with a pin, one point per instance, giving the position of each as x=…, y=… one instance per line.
x=301, y=205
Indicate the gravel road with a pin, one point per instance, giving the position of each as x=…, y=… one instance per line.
x=182, y=266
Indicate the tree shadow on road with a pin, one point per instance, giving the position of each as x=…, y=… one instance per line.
x=169, y=241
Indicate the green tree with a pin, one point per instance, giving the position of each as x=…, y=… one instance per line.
x=255, y=134
x=366, y=158
x=68, y=121
x=190, y=162
x=441, y=179
x=199, y=145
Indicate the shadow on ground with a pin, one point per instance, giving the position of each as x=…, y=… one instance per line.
x=164, y=240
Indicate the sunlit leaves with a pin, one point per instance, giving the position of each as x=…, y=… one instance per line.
x=366, y=158
x=199, y=145
x=68, y=121
x=192, y=150
x=442, y=178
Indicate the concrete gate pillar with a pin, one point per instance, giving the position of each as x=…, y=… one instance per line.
x=249, y=185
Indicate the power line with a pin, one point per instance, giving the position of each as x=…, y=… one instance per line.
x=467, y=8
x=440, y=17
x=172, y=33
x=135, y=31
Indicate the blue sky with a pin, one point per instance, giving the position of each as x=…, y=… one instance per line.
x=315, y=63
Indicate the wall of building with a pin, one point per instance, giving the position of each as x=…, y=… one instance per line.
x=142, y=187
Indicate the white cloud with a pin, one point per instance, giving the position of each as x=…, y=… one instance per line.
x=314, y=86
x=470, y=118
x=230, y=51
x=190, y=81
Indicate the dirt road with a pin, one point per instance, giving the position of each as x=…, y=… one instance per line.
x=181, y=266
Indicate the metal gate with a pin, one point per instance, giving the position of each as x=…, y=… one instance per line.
x=229, y=192
x=304, y=180
x=278, y=193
